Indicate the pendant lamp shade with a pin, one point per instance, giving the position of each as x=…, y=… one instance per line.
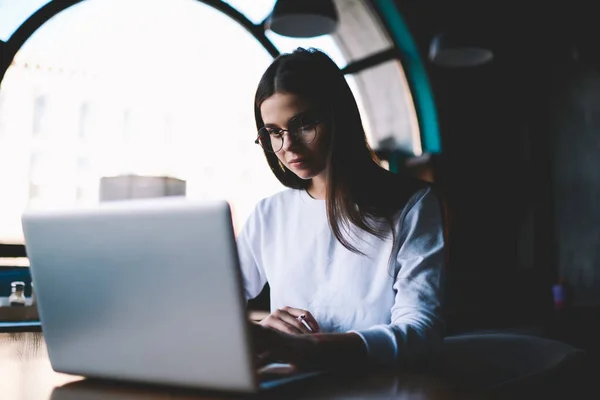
x=303, y=18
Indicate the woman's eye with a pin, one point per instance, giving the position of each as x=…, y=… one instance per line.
x=308, y=128
x=275, y=132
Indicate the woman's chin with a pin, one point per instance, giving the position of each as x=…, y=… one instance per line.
x=304, y=176
x=302, y=173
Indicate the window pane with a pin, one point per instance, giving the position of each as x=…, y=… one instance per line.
x=360, y=33
x=387, y=101
x=14, y=12
x=255, y=10
x=325, y=43
x=147, y=94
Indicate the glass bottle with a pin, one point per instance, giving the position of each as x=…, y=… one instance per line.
x=17, y=295
x=33, y=299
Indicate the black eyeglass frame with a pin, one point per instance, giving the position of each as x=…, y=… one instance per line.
x=312, y=125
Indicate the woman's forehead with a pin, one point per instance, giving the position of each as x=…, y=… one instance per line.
x=281, y=107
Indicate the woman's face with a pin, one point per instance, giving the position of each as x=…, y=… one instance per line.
x=305, y=154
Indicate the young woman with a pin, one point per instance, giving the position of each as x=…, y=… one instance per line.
x=353, y=254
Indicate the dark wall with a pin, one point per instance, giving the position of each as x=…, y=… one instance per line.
x=520, y=153
x=574, y=127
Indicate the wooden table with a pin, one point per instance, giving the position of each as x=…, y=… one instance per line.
x=26, y=373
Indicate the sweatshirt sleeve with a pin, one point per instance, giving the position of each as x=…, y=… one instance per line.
x=248, y=246
x=415, y=334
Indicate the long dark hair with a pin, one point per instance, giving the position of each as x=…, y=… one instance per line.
x=359, y=191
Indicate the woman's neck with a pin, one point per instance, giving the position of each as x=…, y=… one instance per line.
x=318, y=187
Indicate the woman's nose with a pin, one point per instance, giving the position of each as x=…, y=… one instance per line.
x=290, y=141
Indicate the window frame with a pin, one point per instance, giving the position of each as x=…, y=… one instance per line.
x=398, y=51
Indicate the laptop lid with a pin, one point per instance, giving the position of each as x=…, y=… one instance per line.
x=142, y=290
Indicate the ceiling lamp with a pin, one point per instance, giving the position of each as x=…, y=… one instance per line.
x=454, y=51
x=303, y=18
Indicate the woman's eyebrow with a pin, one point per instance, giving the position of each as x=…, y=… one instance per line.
x=301, y=114
x=271, y=126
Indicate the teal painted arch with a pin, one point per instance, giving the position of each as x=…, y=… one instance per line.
x=416, y=75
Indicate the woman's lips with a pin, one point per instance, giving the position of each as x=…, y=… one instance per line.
x=297, y=162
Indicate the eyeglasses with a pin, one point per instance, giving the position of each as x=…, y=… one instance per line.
x=302, y=129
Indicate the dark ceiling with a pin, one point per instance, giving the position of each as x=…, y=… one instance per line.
x=520, y=30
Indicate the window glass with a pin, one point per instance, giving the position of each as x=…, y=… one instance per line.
x=14, y=12
x=153, y=92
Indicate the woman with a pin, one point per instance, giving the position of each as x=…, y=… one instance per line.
x=351, y=249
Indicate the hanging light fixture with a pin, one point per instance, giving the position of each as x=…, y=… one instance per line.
x=303, y=18
x=453, y=50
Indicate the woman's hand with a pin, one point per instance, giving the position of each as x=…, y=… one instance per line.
x=322, y=351
x=289, y=320
x=274, y=346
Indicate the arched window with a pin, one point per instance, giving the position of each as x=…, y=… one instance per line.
x=165, y=87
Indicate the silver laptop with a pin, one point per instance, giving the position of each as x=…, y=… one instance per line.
x=145, y=291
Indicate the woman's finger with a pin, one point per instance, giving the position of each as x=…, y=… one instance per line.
x=303, y=315
x=303, y=321
x=264, y=358
x=277, y=323
x=293, y=320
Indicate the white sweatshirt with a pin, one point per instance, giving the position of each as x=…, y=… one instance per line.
x=394, y=307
